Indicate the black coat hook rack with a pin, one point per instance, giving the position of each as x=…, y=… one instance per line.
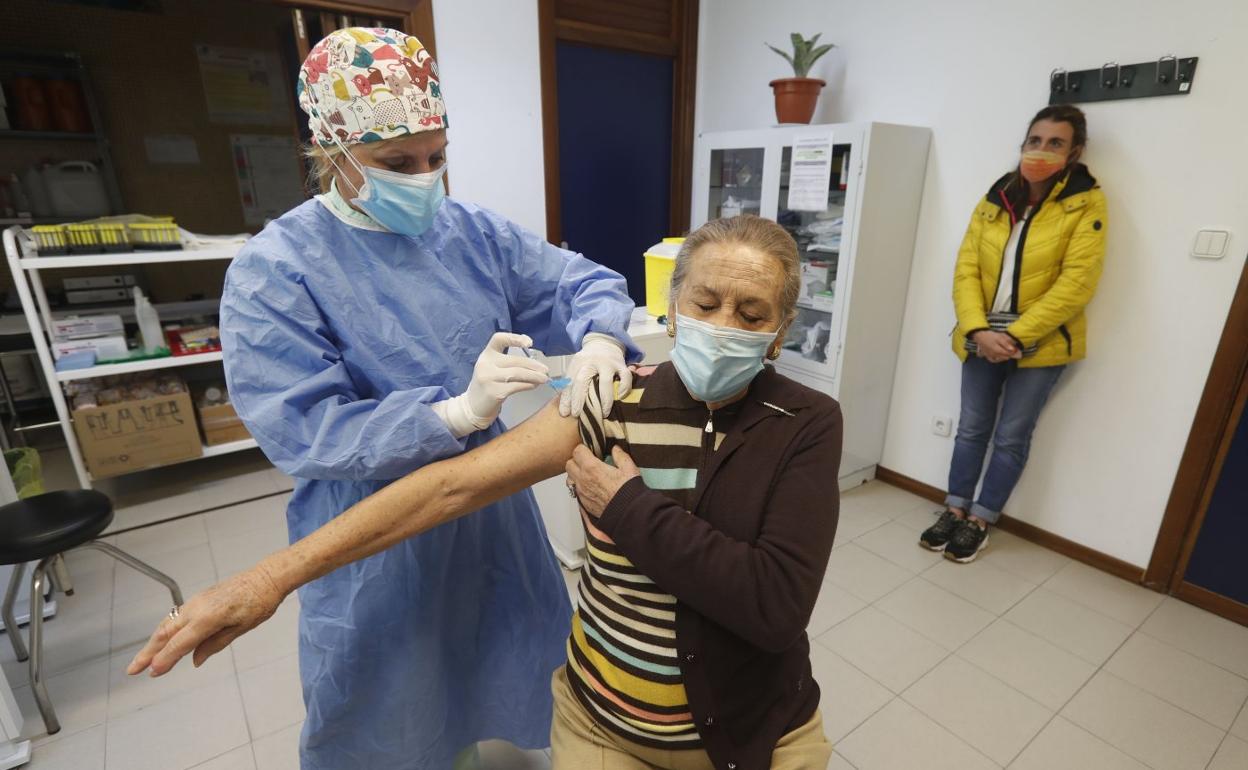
x=1167, y=76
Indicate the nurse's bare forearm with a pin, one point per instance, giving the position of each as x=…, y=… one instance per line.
x=432, y=495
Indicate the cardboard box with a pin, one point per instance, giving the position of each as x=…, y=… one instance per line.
x=133, y=435
x=814, y=278
x=221, y=425
x=87, y=326
x=105, y=348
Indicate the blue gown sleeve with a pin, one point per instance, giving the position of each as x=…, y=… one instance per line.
x=557, y=296
x=292, y=390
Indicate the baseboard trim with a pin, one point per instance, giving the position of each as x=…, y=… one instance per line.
x=913, y=486
x=1215, y=603
x=1090, y=556
x=1081, y=553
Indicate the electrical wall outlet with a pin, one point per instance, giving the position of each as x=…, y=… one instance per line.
x=942, y=426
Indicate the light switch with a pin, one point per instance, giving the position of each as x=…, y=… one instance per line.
x=1201, y=249
x=1211, y=244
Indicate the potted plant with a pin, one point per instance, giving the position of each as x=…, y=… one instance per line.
x=796, y=96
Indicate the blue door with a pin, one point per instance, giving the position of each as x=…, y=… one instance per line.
x=1217, y=562
x=615, y=155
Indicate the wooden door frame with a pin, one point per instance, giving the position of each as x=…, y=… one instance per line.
x=418, y=14
x=417, y=17
x=1217, y=416
x=684, y=52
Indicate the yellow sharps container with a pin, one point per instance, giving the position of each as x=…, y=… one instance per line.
x=660, y=262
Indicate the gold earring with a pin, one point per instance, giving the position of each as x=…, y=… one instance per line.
x=671, y=328
x=774, y=353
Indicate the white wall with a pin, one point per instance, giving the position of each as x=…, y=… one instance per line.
x=491, y=78
x=1109, y=443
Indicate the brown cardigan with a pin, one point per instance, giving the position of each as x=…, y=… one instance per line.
x=747, y=567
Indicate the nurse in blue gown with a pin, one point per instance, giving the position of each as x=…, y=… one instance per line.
x=361, y=335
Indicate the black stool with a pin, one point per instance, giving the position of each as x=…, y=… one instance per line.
x=42, y=529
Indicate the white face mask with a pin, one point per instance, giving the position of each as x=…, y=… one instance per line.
x=717, y=362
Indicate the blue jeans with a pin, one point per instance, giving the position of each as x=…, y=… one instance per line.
x=1026, y=391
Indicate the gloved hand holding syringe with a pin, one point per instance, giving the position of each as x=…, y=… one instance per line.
x=496, y=377
x=556, y=384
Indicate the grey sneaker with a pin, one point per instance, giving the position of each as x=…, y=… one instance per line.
x=935, y=537
x=966, y=542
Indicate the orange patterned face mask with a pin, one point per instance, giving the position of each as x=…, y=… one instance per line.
x=1039, y=165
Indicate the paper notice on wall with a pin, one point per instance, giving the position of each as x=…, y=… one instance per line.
x=243, y=86
x=811, y=173
x=270, y=178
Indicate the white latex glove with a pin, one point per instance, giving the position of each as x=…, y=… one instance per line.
x=495, y=377
x=601, y=356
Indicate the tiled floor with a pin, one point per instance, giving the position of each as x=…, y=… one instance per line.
x=1023, y=659
x=161, y=494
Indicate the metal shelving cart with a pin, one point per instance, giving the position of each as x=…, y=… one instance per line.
x=27, y=267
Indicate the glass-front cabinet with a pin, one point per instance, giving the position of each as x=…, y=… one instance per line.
x=754, y=175
x=818, y=235
x=849, y=195
x=736, y=185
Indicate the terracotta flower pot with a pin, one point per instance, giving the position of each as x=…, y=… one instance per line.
x=795, y=98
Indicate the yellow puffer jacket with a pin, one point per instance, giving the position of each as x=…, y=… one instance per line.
x=1062, y=248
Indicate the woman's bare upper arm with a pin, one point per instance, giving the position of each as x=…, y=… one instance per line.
x=534, y=450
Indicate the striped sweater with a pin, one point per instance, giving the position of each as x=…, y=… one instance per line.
x=622, y=660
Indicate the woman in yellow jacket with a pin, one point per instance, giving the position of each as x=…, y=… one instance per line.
x=1028, y=266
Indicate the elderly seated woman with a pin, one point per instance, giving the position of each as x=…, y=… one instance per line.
x=708, y=527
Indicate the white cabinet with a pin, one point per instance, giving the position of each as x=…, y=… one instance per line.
x=856, y=254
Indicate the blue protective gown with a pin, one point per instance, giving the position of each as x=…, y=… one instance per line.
x=337, y=339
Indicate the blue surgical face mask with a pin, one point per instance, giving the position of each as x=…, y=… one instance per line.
x=402, y=203
x=717, y=362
